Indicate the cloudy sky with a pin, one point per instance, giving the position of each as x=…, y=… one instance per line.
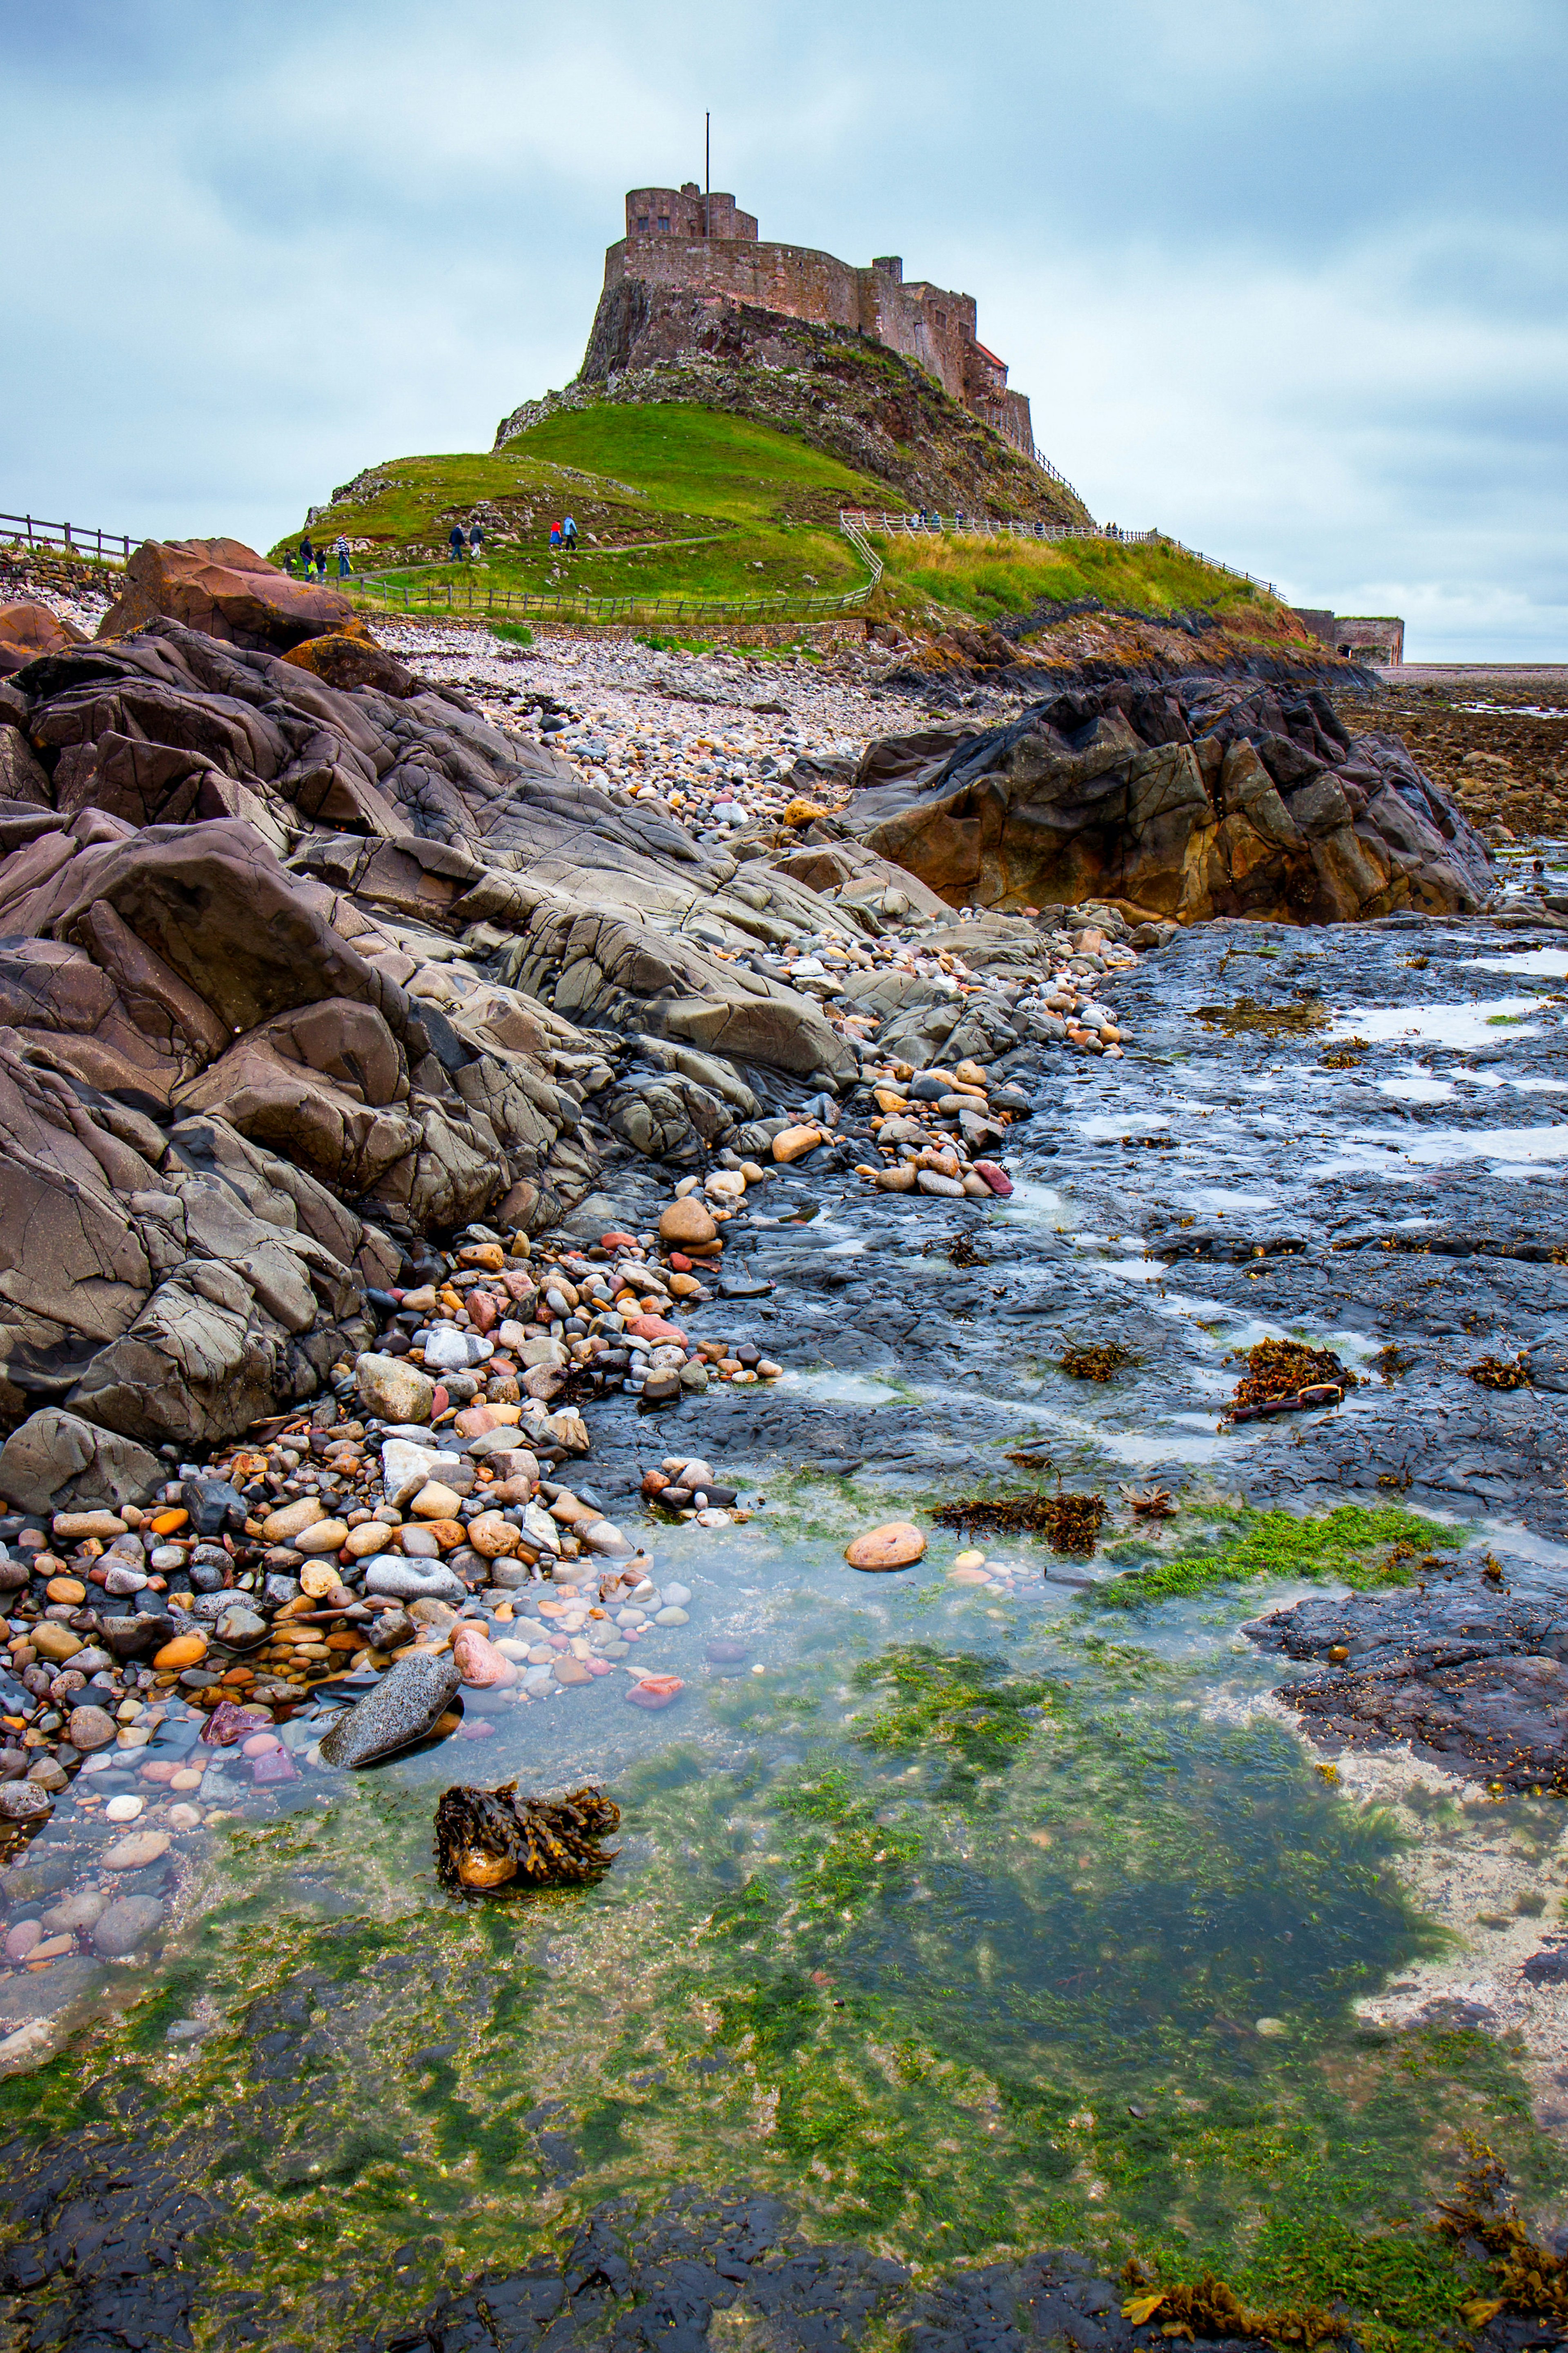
x=1286, y=281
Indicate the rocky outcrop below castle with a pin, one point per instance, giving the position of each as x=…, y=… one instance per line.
x=841, y=391
x=1202, y=797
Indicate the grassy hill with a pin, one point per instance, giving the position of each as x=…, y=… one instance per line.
x=668, y=500
x=672, y=499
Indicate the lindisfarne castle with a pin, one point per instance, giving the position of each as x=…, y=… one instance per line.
x=680, y=240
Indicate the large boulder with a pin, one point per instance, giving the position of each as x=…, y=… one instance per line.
x=28, y=631
x=1206, y=797
x=225, y=589
x=58, y=1462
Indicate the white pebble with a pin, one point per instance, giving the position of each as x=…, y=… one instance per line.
x=123, y=1808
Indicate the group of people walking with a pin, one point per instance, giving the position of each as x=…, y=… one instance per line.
x=468, y=545
x=314, y=559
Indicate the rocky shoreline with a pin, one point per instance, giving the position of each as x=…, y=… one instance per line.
x=478, y=1170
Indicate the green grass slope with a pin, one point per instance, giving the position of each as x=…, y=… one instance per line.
x=669, y=500
x=675, y=500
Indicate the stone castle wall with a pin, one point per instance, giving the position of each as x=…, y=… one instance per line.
x=932, y=325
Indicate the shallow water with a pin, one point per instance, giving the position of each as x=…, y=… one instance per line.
x=960, y=1918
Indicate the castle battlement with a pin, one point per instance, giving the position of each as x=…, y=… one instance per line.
x=681, y=241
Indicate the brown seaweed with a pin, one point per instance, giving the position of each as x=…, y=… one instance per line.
x=1280, y=1370
x=1069, y=1523
x=1210, y=2308
x=1101, y=1363
x=491, y=1842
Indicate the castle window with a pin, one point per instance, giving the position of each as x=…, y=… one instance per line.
x=664, y=221
x=642, y=220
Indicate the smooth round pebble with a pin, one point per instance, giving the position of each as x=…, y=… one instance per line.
x=125, y=1925
x=676, y=1597
x=894, y=1546
x=124, y=1808
x=970, y=1560
x=135, y=1853
x=183, y=1818
x=672, y=1617
x=968, y=1576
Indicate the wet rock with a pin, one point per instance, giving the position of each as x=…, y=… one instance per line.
x=125, y=1925
x=49, y=1992
x=401, y=1709
x=81, y=1909
x=88, y=1728
x=23, y=1801
x=655, y=1691
x=1470, y=1676
x=214, y=1504
x=137, y=1852
x=481, y=1664
x=896, y=1544
x=55, y=1643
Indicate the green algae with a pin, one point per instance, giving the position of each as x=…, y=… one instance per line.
x=905, y=1941
x=1358, y=1546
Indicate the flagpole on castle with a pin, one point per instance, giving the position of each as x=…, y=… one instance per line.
x=706, y=175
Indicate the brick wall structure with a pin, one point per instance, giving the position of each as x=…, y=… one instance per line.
x=1359, y=637
x=679, y=240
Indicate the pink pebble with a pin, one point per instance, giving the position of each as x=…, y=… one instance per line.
x=998, y=1178
x=475, y=1728
x=21, y=1939
x=598, y=1666
x=259, y=1743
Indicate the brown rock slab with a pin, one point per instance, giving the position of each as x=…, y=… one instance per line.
x=348, y=661
x=226, y=590
x=27, y=631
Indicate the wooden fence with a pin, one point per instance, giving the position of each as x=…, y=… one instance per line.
x=385, y=592
x=77, y=539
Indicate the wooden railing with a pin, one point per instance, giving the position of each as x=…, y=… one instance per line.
x=1056, y=475
x=988, y=527
x=77, y=539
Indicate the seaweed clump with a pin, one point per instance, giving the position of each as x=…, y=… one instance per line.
x=1209, y=2309
x=1296, y=1018
x=1098, y=1363
x=488, y=1840
x=1069, y=1523
x=1279, y=1372
x=1501, y=1372
x=1529, y=2278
